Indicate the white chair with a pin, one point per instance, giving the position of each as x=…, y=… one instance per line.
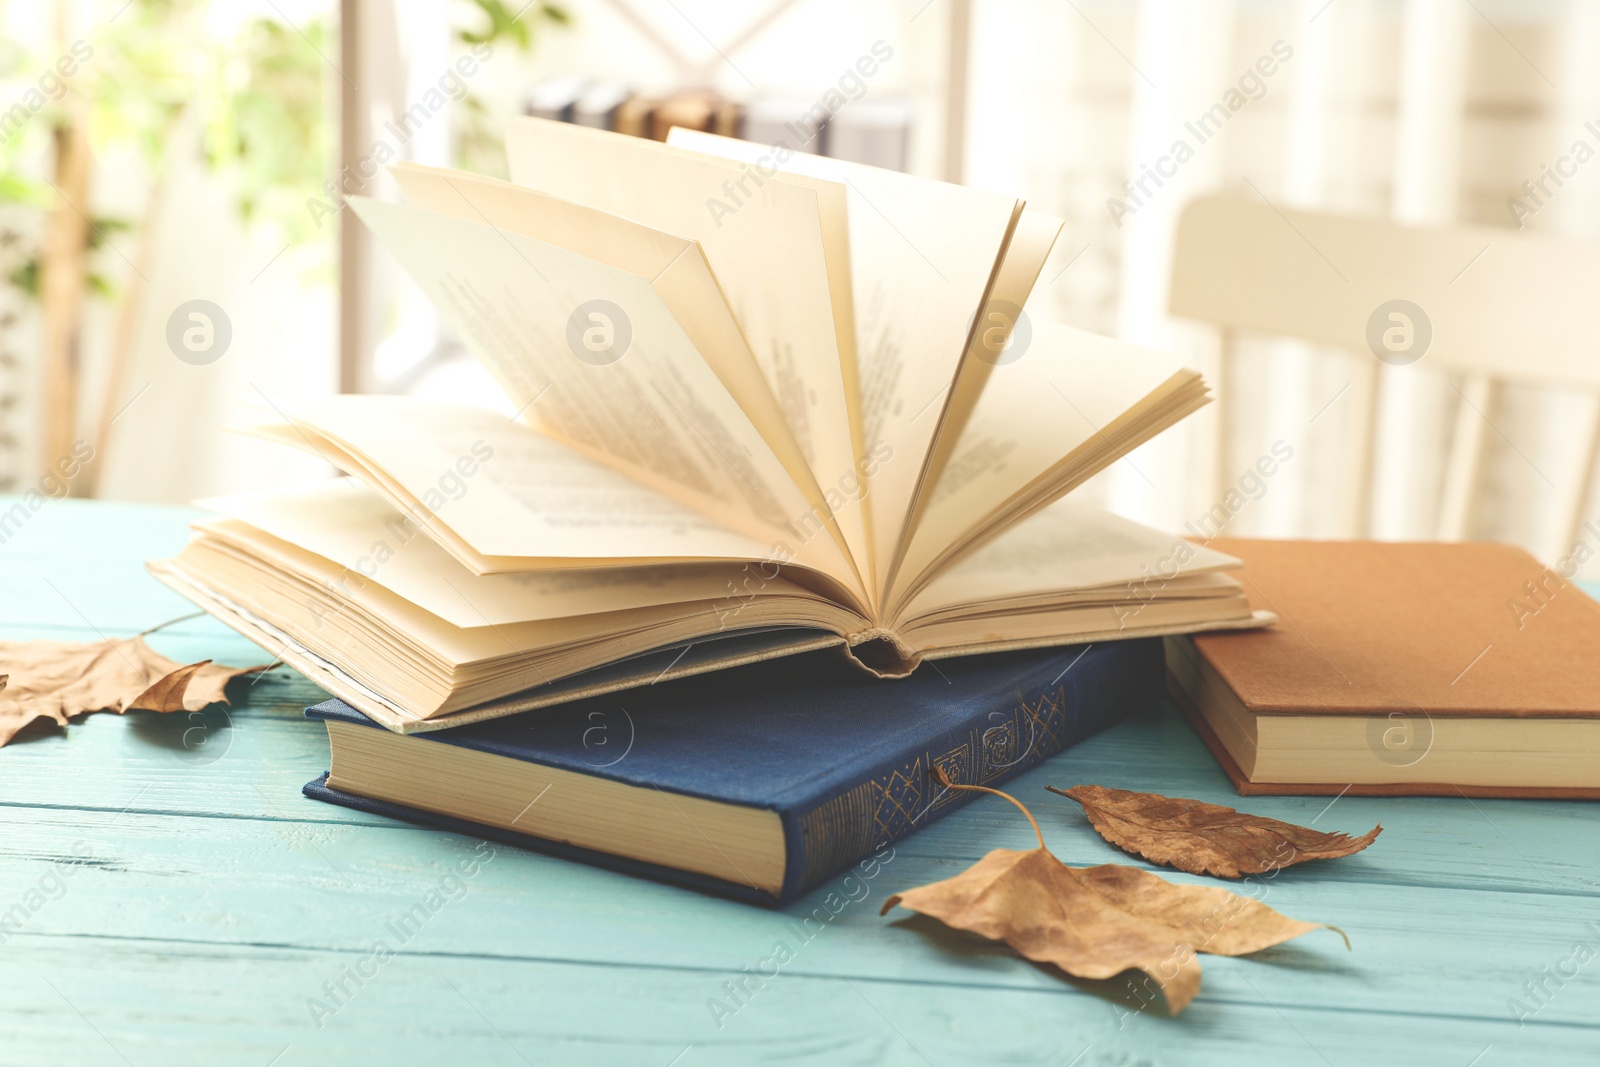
x=1502, y=306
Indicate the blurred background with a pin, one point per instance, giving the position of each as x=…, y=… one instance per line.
x=169, y=166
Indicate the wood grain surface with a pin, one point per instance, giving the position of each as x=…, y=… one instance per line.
x=194, y=908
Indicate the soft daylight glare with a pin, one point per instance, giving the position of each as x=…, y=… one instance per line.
x=682, y=532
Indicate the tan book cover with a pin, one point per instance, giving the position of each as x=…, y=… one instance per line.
x=1464, y=667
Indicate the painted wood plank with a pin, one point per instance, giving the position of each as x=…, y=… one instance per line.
x=122, y=1002
x=243, y=882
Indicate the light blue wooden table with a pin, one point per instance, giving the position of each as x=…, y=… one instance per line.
x=191, y=905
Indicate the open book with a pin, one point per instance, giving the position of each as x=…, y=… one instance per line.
x=765, y=402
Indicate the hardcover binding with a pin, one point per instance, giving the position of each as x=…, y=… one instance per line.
x=1246, y=788
x=1045, y=712
x=989, y=719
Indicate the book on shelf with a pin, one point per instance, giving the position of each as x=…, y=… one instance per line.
x=555, y=98
x=1400, y=668
x=872, y=131
x=600, y=104
x=753, y=406
x=695, y=109
x=633, y=115
x=787, y=120
x=759, y=782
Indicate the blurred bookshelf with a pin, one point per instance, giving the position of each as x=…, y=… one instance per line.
x=876, y=132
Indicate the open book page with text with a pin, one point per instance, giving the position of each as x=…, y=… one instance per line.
x=313, y=579
x=601, y=331
x=1069, y=405
x=659, y=413
x=923, y=256
x=500, y=495
x=1069, y=545
x=833, y=216
x=1074, y=572
x=1003, y=331
x=350, y=525
x=769, y=256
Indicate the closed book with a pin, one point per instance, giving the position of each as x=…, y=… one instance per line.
x=757, y=782
x=1402, y=668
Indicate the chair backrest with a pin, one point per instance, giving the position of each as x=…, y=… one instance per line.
x=1491, y=305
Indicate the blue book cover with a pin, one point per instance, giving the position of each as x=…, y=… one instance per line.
x=844, y=761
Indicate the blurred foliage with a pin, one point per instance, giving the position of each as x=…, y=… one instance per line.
x=273, y=135
x=504, y=24
x=26, y=277
x=479, y=142
x=264, y=100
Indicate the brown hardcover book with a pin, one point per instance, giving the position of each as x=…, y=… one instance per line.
x=1428, y=669
x=633, y=116
x=693, y=109
x=729, y=120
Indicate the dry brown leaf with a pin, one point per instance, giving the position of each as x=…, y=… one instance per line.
x=1096, y=922
x=58, y=680
x=1202, y=838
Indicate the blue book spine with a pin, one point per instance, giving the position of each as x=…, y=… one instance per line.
x=1040, y=714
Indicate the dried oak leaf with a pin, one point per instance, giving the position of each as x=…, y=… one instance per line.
x=1096, y=922
x=1202, y=838
x=58, y=680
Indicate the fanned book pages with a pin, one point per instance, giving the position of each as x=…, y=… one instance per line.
x=763, y=405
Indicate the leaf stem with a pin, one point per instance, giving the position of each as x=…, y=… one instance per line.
x=170, y=622
x=944, y=780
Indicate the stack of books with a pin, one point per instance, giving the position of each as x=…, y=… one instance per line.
x=764, y=407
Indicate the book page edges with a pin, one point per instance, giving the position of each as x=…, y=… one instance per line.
x=877, y=651
x=1254, y=621
x=886, y=654
x=1028, y=244
x=336, y=682
x=1246, y=788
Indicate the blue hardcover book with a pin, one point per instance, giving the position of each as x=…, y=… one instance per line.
x=757, y=782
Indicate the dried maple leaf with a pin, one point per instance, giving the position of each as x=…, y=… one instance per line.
x=1202, y=838
x=1096, y=922
x=58, y=680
